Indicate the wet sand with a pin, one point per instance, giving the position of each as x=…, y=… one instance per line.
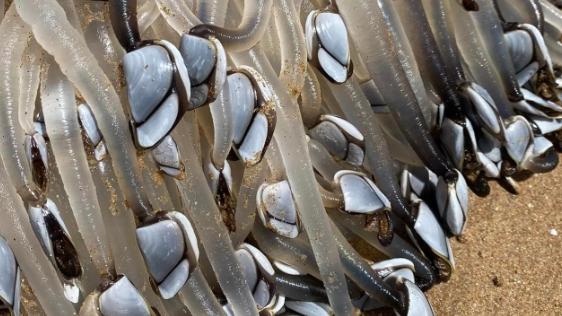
x=509, y=261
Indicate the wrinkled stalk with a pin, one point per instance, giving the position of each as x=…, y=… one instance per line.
x=59, y=111
x=278, y=248
x=293, y=52
x=358, y=270
x=379, y=162
x=36, y=267
x=398, y=247
x=246, y=202
x=476, y=57
x=368, y=24
x=177, y=15
x=29, y=84
x=198, y=297
x=221, y=111
x=290, y=138
x=212, y=11
x=14, y=34
x=488, y=28
x=248, y=33
x=200, y=204
x=71, y=13
x=55, y=34
x=101, y=40
x=147, y=13
x=120, y=224
x=311, y=98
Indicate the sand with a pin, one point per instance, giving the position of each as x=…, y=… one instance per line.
x=509, y=260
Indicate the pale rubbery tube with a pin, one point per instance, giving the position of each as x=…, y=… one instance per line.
x=36, y=267
x=293, y=52
x=120, y=224
x=290, y=139
x=13, y=33
x=221, y=111
x=55, y=34
x=212, y=11
x=368, y=22
x=246, y=202
x=248, y=33
x=198, y=296
x=61, y=120
x=201, y=206
x=147, y=13
x=29, y=83
x=177, y=14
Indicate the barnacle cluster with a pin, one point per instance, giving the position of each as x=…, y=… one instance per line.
x=218, y=157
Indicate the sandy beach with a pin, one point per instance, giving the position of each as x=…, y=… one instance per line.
x=509, y=261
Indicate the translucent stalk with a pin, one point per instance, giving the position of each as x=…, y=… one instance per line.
x=271, y=48
x=248, y=33
x=489, y=29
x=370, y=28
x=322, y=160
x=55, y=34
x=330, y=199
x=443, y=32
x=378, y=160
x=120, y=224
x=101, y=41
x=147, y=13
x=445, y=40
x=221, y=111
x=212, y=11
x=429, y=60
x=198, y=296
x=246, y=202
x=311, y=98
x=290, y=138
x=161, y=29
x=321, y=4
x=529, y=11
x=356, y=267
x=61, y=120
x=398, y=247
x=554, y=49
x=13, y=35
x=274, y=162
x=71, y=13
x=359, y=69
x=552, y=16
x=29, y=84
x=89, y=277
x=553, y=31
x=36, y=267
x=359, y=270
x=405, y=54
x=293, y=52
x=178, y=15
x=476, y=57
x=200, y=204
x=278, y=248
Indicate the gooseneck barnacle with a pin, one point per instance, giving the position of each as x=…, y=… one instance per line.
x=214, y=157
